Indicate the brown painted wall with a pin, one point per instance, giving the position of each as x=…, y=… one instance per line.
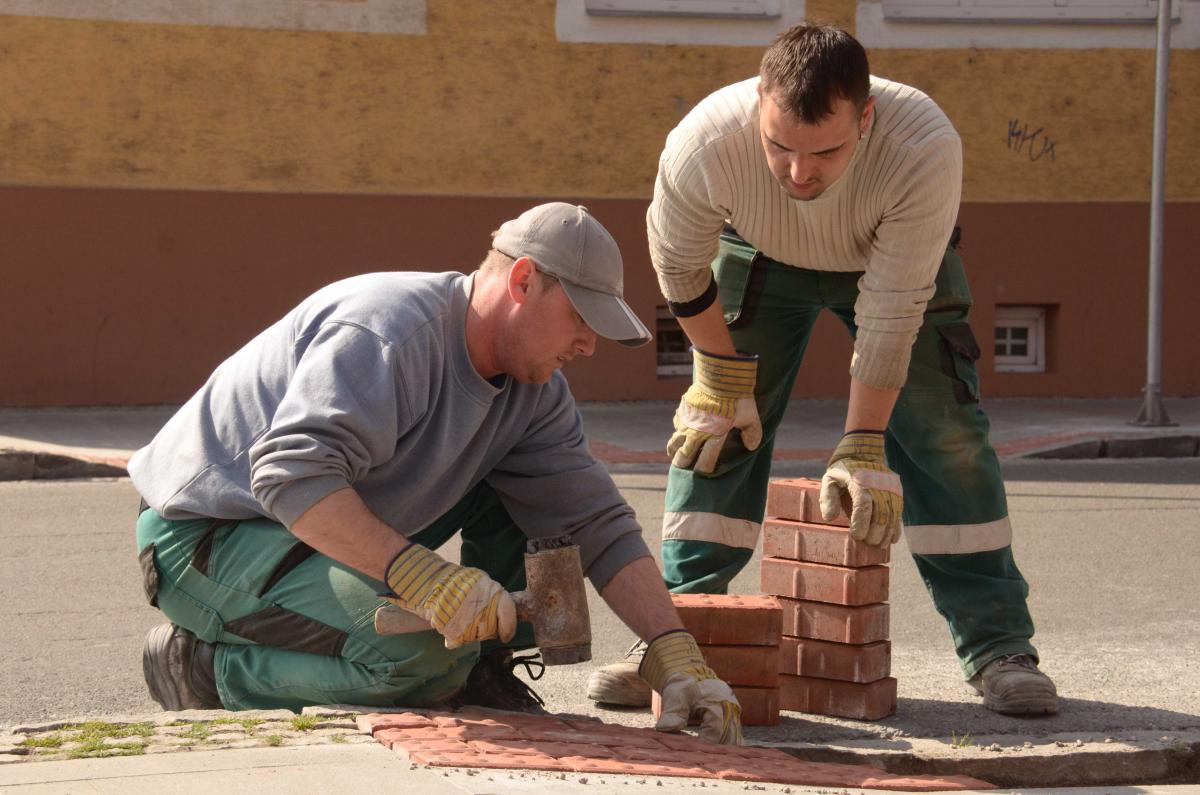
x=116, y=297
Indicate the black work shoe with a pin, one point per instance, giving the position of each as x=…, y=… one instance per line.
x=1013, y=685
x=178, y=668
x=494, y=684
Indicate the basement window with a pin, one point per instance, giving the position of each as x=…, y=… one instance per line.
x=1020, y=339
x=673, y=348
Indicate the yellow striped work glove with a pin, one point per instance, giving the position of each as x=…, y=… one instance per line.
x=720, y=399
x=674, y=666
x=462, y=603
x=859, y=482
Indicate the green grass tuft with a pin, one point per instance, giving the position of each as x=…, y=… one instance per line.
x=304, y=723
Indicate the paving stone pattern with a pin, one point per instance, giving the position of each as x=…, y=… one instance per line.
x=489, y=739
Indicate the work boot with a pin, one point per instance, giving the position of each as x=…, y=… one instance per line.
x=178, y=668
x=493, y=683
x=619, y=683
x=1013, y=685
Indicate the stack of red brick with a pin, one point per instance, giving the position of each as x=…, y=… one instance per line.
x=739, y=637
x=836, y=656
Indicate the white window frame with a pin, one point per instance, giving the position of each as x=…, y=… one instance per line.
x=1027, y=11
x=722, y=23
x=680, y=364
x=1033, y=319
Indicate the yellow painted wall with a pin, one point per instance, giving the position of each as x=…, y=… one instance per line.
x=489, y=103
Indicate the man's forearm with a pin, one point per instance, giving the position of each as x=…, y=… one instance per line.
x=341, y=526
x=708, y=332
x=869, y=408
x=638, y=596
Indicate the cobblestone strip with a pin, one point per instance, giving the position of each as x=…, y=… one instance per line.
x=169, y=732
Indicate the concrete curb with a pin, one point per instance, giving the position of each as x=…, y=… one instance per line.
x=1180, y=445
x=1138, y=758
x=36, y=465
x=1064, y=760
x=33, y=465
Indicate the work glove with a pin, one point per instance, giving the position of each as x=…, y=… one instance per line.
x=858, y=482
x=674, y=667
x=720, y=398
x=462, y=603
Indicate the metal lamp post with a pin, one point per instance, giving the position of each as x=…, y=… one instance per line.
x=1153, y=412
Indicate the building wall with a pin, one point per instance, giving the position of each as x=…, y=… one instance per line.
x=171, y=182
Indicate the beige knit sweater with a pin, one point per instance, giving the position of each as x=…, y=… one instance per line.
x=889, y=215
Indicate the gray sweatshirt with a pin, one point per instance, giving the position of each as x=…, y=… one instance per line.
x=367, y=383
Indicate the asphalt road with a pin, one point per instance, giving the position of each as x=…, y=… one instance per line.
x=1109, y=547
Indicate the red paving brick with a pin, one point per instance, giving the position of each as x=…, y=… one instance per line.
x=819, y=543
x=729, y=619
x=869, y=701
x=750, y=666
x=798, y=499
x=821, y=583
x=837, y=623
x=587, y=746
x=847, y=662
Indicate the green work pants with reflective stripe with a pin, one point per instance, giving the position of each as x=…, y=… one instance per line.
x=294, y=628
x=955, y=511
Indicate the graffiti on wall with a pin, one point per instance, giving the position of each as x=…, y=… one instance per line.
x=352, y=16
x=1033, y=143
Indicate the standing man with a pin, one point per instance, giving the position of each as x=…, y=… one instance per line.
x=817, y=186
x=316, y=471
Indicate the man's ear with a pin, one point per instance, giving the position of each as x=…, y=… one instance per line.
x=520, y=279
x=864, y=121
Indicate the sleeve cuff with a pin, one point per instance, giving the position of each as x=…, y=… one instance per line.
x=616, y=556
x=696, y=305
x=287, y=502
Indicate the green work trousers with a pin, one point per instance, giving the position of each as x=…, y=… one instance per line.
x=294, y=628
x=955, y=511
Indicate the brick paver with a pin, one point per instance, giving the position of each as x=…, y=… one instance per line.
x=818, y=582
x=798, y=499
x=730, y=619
x=819, y=543
x=839, y=623
x=525, y=742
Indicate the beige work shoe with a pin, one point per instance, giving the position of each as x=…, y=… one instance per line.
x=619, y=683
x=1013, y=685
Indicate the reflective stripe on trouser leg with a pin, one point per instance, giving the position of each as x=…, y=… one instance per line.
x=711, y=523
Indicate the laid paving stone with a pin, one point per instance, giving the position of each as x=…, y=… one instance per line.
x=335, y=711
x=226, y=736
x=597, y=747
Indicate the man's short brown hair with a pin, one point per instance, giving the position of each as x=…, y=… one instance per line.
x=807, y=67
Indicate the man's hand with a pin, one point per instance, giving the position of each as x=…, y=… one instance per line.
x=720, y=398
x=674, y=666
x=462, y=603
x=859, y=482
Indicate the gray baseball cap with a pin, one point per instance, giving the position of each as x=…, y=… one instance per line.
x=567, y=242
